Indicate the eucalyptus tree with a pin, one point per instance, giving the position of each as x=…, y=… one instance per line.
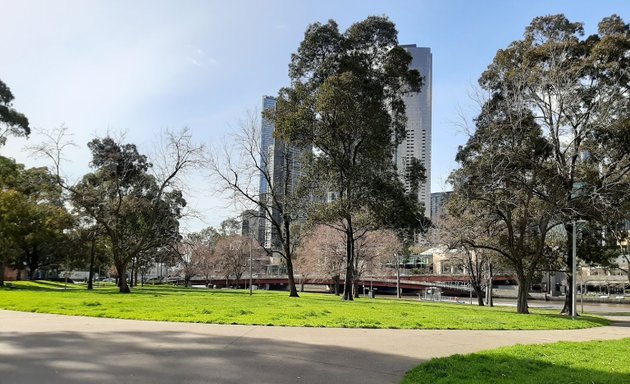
x=136, y=205
x=345, y=102
x=11, y=121
x=33, y=219
x=575, y=91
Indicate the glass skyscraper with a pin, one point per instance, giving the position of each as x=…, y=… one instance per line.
x=418, y=110
x=282, y=169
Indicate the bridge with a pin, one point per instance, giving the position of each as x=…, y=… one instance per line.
x=450, y=284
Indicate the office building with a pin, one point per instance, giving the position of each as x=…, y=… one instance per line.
x=281, y=164
x=438, y=199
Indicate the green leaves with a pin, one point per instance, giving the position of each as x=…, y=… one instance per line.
x=11, y=121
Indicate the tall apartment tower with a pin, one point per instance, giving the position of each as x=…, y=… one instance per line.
x=418, y=109
x=282, y=171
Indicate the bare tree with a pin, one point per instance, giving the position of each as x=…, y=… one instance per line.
x=376, y=251
x=233, y=253
x=322, y=256
x=280, y=205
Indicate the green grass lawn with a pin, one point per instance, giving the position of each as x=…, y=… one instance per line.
x=601, y=362
x=273, y=308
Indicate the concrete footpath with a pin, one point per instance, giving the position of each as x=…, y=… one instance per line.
x=40, y=348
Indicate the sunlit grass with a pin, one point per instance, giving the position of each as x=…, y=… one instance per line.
x=602, y=362
x=274, y=308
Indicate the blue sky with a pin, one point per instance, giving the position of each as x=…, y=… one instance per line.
x=144, y=66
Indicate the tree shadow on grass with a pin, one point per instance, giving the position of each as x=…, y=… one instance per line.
x=185, y=357
x=494, y=367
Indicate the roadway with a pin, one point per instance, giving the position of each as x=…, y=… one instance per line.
x=57, y=349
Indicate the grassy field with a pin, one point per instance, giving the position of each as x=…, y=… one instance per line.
x=601, y=362
x=272, y=308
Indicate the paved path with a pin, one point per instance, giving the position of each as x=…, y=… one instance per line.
x=39, y=348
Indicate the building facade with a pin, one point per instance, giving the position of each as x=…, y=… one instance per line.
x=438, y=199
x=280, y=172
x=417, y=143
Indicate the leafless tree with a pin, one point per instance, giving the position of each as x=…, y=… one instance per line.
x=321, y=256
x=244, y=165
x=233, y=254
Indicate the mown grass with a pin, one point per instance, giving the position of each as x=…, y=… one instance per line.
x=275, y=308
x=601, y=362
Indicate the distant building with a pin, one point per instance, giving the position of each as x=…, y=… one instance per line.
x=282, y=170
x=438, y=199
x=417, y=144
x=250, y=224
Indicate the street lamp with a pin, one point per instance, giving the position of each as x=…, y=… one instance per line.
x=573, y=271
x=398, y=295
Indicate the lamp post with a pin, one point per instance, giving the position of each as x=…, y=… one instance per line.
x=251, y=291
x=573, y=271
x=397, y=275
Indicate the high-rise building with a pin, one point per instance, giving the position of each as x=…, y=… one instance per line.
x=266, y=141
x=438, y=199
x=280, y=172
x=417, y=144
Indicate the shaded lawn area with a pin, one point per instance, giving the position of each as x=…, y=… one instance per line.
x=601, y=362
x=165, y=303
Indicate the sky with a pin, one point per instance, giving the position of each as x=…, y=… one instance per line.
x=139, y=68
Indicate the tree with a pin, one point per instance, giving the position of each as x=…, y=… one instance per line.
x=233, y=253
x=203, y=249
x=345, y=101
x=11, y=121
x=321, y=256
x=137, y=210
x=229, y=227
x=504, y=188
x=280, y=205
x=571, y=95
x=187, y=260
x=459, y=233
x=33, y=220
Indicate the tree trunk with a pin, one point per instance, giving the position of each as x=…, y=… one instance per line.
x=122, y=278
x=479, y=293
x=90, y=285
x=33, y=263
x=1, y=273
x=349, y=281
x=523, y=291
x=566, y=309
x=490, y=285
x=131, y=283
x=292, y=289
x=288, y=256
x=336, y=279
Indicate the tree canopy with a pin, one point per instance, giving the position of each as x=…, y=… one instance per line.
x=11, y=121
x=551, y=144
x=346, y=102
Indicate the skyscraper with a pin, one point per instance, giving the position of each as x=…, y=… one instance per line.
x=417, y=144
x=280, y=172
x=438, y=199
